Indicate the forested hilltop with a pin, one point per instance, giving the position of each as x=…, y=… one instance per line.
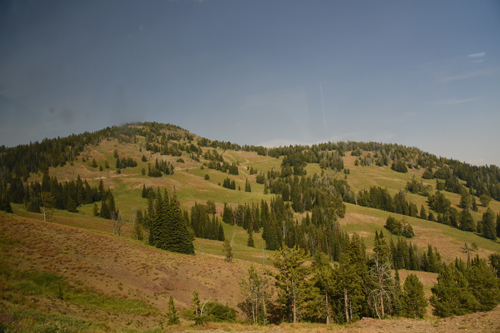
x=332, y=232
x=19, y=161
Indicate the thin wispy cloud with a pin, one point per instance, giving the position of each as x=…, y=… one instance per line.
x=477, y=55
x=448, y=79
x=454, y=101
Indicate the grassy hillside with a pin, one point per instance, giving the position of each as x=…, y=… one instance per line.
x=115, y=282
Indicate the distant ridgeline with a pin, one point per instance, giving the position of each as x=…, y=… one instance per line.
x=168, y=139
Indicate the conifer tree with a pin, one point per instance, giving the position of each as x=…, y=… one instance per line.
x=483, y=284
x=227, y=214
x=196, y=303
x=414, y=262
x=34, y=203
x=227, y=249
x=431, y=217
x=498, y=225
x=431, y=260
x=489, y=227
x=221, y=237
x=467, y=221
x=414, y=301
x=397, y=295
x=95, y=210
x=349, y=287
x=71, y=205
x=451, y=295
x=380, y=280
x=474, y=204
x=254, y=290
x=48, y=202
x=250, y=242
x=156, y=217
x=325, y=281
x=177, y=237
x=292, y=281
x=173, y=318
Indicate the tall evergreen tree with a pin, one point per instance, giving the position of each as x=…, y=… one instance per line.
x=292, y=281
x=325, y=281
x=467, y=221
x=177, y=237
x=414, y=301
x=489, y=226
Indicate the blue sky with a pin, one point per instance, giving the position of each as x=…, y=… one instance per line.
x=418, y=73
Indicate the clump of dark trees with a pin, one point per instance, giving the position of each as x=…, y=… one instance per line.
x=164, y=224
x=62, y=195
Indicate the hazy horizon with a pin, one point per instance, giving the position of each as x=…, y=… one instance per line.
x=418, y=73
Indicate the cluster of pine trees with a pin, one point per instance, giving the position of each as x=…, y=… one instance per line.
x=165, y=225
x=202, y=225
x=407, y=256
x=228, y=183
x=355, y=287
x=159, y=168
x=415, y=187
x=125, y=162
x=51, y=192
x=465, y=288
x=488, y=227
x=399, y=228
x=318, y=231
x=380, y=198
x=361, y=285
x=307, y=192
x=39, y=156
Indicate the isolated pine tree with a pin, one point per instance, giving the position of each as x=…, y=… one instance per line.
x=414, y=301
x=173, y=318
x=227, y=249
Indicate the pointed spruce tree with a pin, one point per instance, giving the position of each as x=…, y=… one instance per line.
x=489, y=225
x=414, y=301
x=177, y=235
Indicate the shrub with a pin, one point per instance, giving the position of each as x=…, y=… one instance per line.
x=218, y=312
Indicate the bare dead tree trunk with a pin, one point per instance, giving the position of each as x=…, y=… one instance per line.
x=327, y=309
x=294, y=301
x=346, y=305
